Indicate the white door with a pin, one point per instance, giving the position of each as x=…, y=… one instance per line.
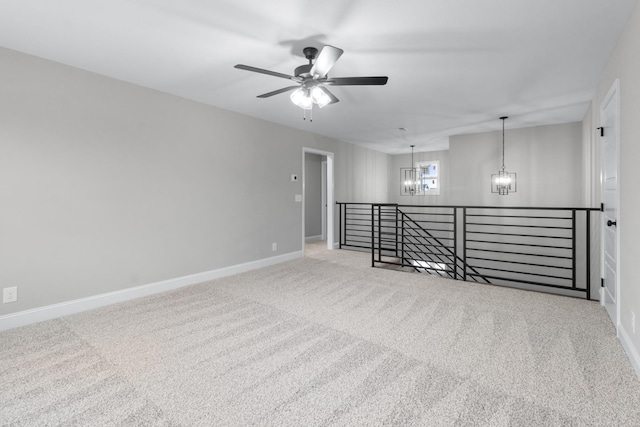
x=610, y=123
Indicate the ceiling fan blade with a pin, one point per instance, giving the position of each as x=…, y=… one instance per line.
x=357, y=81
x=332, y=96
x=325, y=60
x=275, y=92
x=263, y=71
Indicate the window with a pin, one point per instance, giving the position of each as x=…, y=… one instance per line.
x=422, y=180
x=429, y=177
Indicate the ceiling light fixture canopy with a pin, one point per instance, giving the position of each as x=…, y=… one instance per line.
x=503, y=182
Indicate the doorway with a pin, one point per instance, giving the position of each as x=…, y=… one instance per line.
x=317, y=196
x=610, y=138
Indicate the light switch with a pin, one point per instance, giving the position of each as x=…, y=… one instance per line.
x=298, y=197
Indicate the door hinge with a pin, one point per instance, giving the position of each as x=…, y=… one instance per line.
x=601, y=129
x=601, y=207
x=602, y=282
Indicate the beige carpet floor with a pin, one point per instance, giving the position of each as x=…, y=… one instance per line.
x=323, y=341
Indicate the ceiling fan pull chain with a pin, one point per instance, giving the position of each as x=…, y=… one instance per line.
x=311, y=115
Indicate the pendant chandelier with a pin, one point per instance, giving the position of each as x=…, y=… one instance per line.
x=503, y=182
x=411, y=177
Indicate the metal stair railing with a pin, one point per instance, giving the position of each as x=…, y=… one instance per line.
x=424, y=238
x=535, y=248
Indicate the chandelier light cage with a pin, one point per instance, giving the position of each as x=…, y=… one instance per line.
x=503, y=182
x=412, y=178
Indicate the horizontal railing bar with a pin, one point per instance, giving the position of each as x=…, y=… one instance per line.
x=528, y=282
x=353, y=203
x=519, y=235
x=410, y=251
x=355, y=230
x=410, y=255
x=350, y=233
x=519, y=253
x=502, y=208
x=442, y=233
x=426, y=251
x=442, y=272
x=519, y=244
x=520, y=216
x=358, y=243
x=356, y=246
x=414, y=214
x=520, y=263
x=425, y=222
x=449, y=266
x=355, y=237
x=479, y=267
x=429, y=238
x=427, y=244
x=549, y=208
x=516, y=225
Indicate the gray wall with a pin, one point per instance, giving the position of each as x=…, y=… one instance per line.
x=313, y=194
x=106, y=185
x=625, y=65
x=542, y=157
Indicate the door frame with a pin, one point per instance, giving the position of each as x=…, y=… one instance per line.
x=323, y=200
x=330, y=194
x=612, y=96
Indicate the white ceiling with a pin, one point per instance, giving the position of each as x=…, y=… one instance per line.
x=454, y=66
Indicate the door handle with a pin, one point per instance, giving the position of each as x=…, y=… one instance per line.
x=610, y=223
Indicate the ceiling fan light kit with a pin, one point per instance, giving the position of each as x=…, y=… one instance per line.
x=302, y=98
x=312, y=79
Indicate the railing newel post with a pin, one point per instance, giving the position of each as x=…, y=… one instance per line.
x=588, y=253
x=339, y=225
x=573, y=248
x=372, y=236
x=455, y=243
x=464, y=244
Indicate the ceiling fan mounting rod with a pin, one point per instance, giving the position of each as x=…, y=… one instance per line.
x=310, y=53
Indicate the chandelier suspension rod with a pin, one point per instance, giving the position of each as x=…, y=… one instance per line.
x=503, y=119
x=412, y=165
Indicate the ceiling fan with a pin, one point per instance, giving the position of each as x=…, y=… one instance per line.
x=312, y=79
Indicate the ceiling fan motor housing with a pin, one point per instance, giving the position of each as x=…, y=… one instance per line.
x=303, y=70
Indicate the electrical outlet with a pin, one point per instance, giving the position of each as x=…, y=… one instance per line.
x=10, y=294
x=274, y=247
x=633, y=322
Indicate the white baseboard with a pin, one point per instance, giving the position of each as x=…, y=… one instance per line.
x=27, y=317
x=630, y=349
x=312, y=238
